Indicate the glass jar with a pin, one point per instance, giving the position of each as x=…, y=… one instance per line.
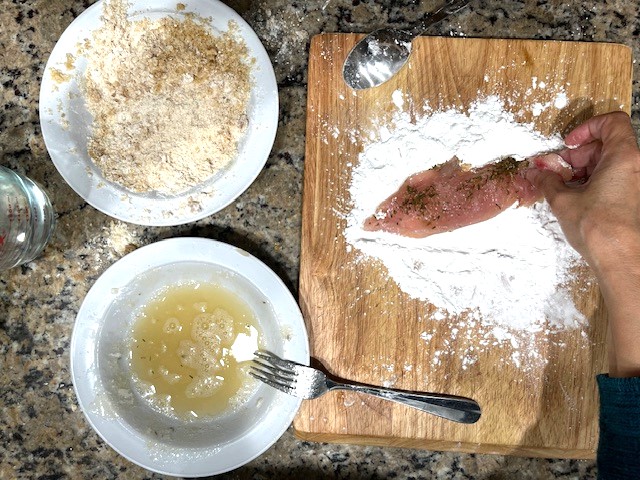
x=27, y=219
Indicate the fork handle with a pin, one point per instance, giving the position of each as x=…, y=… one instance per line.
x=451, y=407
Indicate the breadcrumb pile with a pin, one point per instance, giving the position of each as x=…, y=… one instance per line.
x=168, y=99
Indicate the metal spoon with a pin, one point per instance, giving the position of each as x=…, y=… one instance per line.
x=381, y=54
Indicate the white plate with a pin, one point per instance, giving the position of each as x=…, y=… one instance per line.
x=65, y=124
x=101, y=372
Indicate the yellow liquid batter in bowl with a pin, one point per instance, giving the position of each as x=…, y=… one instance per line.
x=189, y=350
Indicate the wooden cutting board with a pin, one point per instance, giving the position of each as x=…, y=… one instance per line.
x=546, y=408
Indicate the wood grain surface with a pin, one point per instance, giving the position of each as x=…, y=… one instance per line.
x=362, y=327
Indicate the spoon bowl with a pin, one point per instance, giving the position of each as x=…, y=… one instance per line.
x=376, y=58
x=381, y=54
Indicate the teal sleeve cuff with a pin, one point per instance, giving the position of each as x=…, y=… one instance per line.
x=620, y=404
x=619, y=444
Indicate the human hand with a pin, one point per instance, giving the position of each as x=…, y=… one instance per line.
x=600, y=216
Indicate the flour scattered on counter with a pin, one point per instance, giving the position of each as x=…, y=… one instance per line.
x=503, y=273
x=119, y=237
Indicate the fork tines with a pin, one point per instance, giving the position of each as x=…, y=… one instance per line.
x=273, y=359
x=273, y=371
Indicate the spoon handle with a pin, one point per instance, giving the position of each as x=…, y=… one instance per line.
x=457, y=409
x=437, y=15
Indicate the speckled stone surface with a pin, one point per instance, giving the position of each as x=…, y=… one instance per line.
x=43, y=434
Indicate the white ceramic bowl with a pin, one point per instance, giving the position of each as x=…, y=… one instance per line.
x=101, y=372
x=65, y=124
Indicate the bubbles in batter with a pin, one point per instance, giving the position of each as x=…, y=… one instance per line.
x=189, y=350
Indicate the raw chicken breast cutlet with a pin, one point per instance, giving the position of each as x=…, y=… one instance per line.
x=449, y=196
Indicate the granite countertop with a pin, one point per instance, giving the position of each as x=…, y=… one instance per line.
x=43, y=434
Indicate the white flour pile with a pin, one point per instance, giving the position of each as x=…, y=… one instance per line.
x=504, y=272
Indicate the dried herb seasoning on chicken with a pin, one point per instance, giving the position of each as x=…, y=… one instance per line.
x=449, y=196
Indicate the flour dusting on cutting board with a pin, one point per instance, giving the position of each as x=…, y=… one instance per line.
x=506, y=274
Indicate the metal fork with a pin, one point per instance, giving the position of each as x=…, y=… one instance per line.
x=307, y=382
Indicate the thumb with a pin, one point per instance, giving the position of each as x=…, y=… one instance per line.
x=548, y=182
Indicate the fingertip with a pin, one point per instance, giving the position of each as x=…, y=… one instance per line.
x=567, y=153
x=601, y=127
x=546, y=181
x=578, y=136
